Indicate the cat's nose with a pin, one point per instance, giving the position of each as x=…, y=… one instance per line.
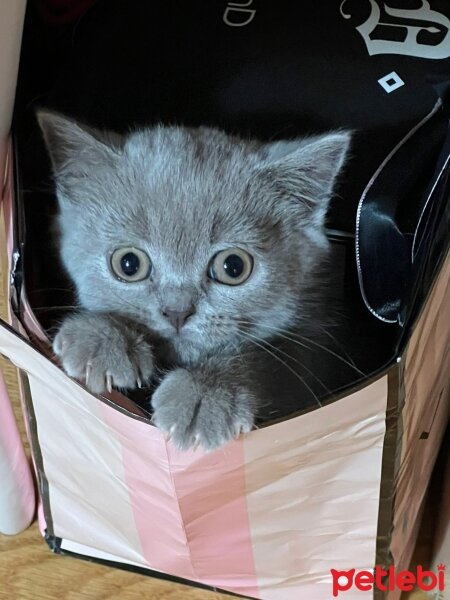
x=178, y=318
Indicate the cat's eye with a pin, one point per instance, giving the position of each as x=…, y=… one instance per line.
x=130, y=264
x=231, y=267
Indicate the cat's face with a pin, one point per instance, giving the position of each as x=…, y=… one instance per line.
x=205, y=239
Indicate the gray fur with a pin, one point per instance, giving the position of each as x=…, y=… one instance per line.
x=95, y=347
x=181, y=195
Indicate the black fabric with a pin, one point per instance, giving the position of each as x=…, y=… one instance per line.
x=295, y=68
x=390, y=213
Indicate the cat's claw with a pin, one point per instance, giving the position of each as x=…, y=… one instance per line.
x=87, y=373
x=237, y=433
x=169, y=434
x=109, y=382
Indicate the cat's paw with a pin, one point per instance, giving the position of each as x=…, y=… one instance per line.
x=197, y=412
x=103, y=353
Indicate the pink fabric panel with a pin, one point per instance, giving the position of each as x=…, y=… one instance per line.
x=152, y=495
x=211, y=489
x=190, y=507
x=313, y=487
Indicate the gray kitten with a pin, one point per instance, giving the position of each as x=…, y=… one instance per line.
x=192, y=252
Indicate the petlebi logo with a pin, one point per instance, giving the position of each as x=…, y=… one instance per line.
x=421, y=32
x=388, y=580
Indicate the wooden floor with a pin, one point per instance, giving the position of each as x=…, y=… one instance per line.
x=29, y=571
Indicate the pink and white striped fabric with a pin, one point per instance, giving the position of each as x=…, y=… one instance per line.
x=239, y=518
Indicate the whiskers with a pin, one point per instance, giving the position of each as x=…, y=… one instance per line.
x=288, y=360
x=265, y=345
x=307, y=343
x=133, y=310
x=55, y=307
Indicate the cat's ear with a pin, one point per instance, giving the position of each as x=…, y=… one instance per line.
x=306, y=169
x=74, y=149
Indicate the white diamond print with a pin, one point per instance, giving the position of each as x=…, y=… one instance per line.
x=391, y=82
